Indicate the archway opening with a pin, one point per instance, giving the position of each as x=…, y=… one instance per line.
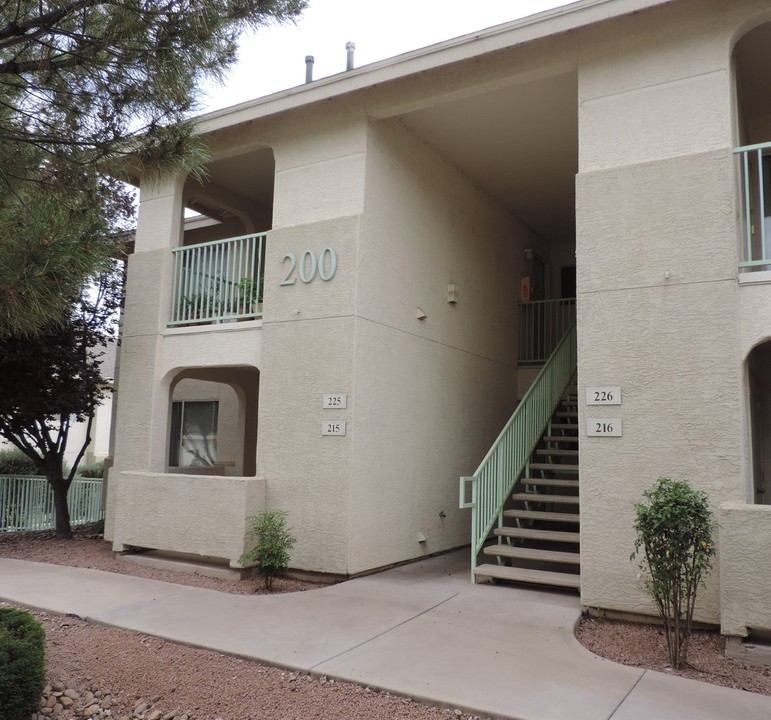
x=213, y=421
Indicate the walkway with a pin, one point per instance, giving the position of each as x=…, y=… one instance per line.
x=420, y=630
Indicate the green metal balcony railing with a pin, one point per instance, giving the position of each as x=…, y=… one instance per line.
x=494, y=479
x=755, y=174
x=218, y=281
x=542, y=324
x=27, y=502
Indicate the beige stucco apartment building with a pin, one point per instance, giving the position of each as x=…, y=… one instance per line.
x=410, y=234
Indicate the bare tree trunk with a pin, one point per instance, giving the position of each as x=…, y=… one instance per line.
x=60, y=488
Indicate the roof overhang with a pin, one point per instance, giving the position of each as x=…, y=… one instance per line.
x=499, y=37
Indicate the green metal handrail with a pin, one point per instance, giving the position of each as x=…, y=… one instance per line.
x=504, y=463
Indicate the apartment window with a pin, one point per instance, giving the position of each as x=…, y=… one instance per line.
x=193, y=433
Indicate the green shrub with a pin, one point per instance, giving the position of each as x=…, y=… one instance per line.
x=14, y=462
x=94, y=470
x=273, y=543
x=22, y=663
x=675, y=546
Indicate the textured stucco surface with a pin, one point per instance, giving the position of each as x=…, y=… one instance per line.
x=755, y=313
x=660, y=312
x=430, y=394
x=657, y=293
x=316, y=158
x=745, y=568
x=308, y=351
x=205, y=515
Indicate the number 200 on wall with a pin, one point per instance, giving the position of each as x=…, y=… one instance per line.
x=309, y=266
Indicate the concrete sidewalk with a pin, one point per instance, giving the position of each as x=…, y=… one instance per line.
x=421, y=630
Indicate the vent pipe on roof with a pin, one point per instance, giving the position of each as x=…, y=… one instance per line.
x=309, y=68
x=350, y=47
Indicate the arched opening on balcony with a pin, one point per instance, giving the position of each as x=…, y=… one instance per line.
x=220, y=265
x=213, y=421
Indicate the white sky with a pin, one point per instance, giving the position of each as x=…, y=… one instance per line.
x=273, y=59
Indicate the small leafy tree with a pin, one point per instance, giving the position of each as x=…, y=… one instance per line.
x=675, y=546
x=273, y=543
x=53, y=380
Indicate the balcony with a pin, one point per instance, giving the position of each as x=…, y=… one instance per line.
x=755, y=174
x=220, y=281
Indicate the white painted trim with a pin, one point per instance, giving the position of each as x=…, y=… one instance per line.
x=754, y=278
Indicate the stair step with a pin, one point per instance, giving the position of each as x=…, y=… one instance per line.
x=561, y=438
x=550, y=482
x=538, y=577
x=557, y=451
x=564, y=426
x=566, y=414
x=522, y=553
x=557, y=467
x=536, y=534
x=544, y=498
x=542, y=515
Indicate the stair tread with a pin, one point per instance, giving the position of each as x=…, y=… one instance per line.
x=536, y=534
x=542, y=515
x=557, y=451
x=561, y=438
x=564, y=426
x=539, y=577
x=523, y=553
x=545, y=498
x=550, y=482
x=566, y=414
x=557, y=467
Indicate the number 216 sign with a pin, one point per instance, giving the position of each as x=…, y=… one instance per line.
x=603, y=427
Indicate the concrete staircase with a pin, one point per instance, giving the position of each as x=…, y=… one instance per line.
x=539, y=540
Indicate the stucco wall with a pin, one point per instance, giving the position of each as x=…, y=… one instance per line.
x=151, y=354
x=657, y=293
x=430, y=395
x=754, y=298
x=745, y=573
x=308, y=344
x=200, y=514
x=319, y=176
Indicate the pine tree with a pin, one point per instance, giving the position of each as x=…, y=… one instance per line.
x=85, y=86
